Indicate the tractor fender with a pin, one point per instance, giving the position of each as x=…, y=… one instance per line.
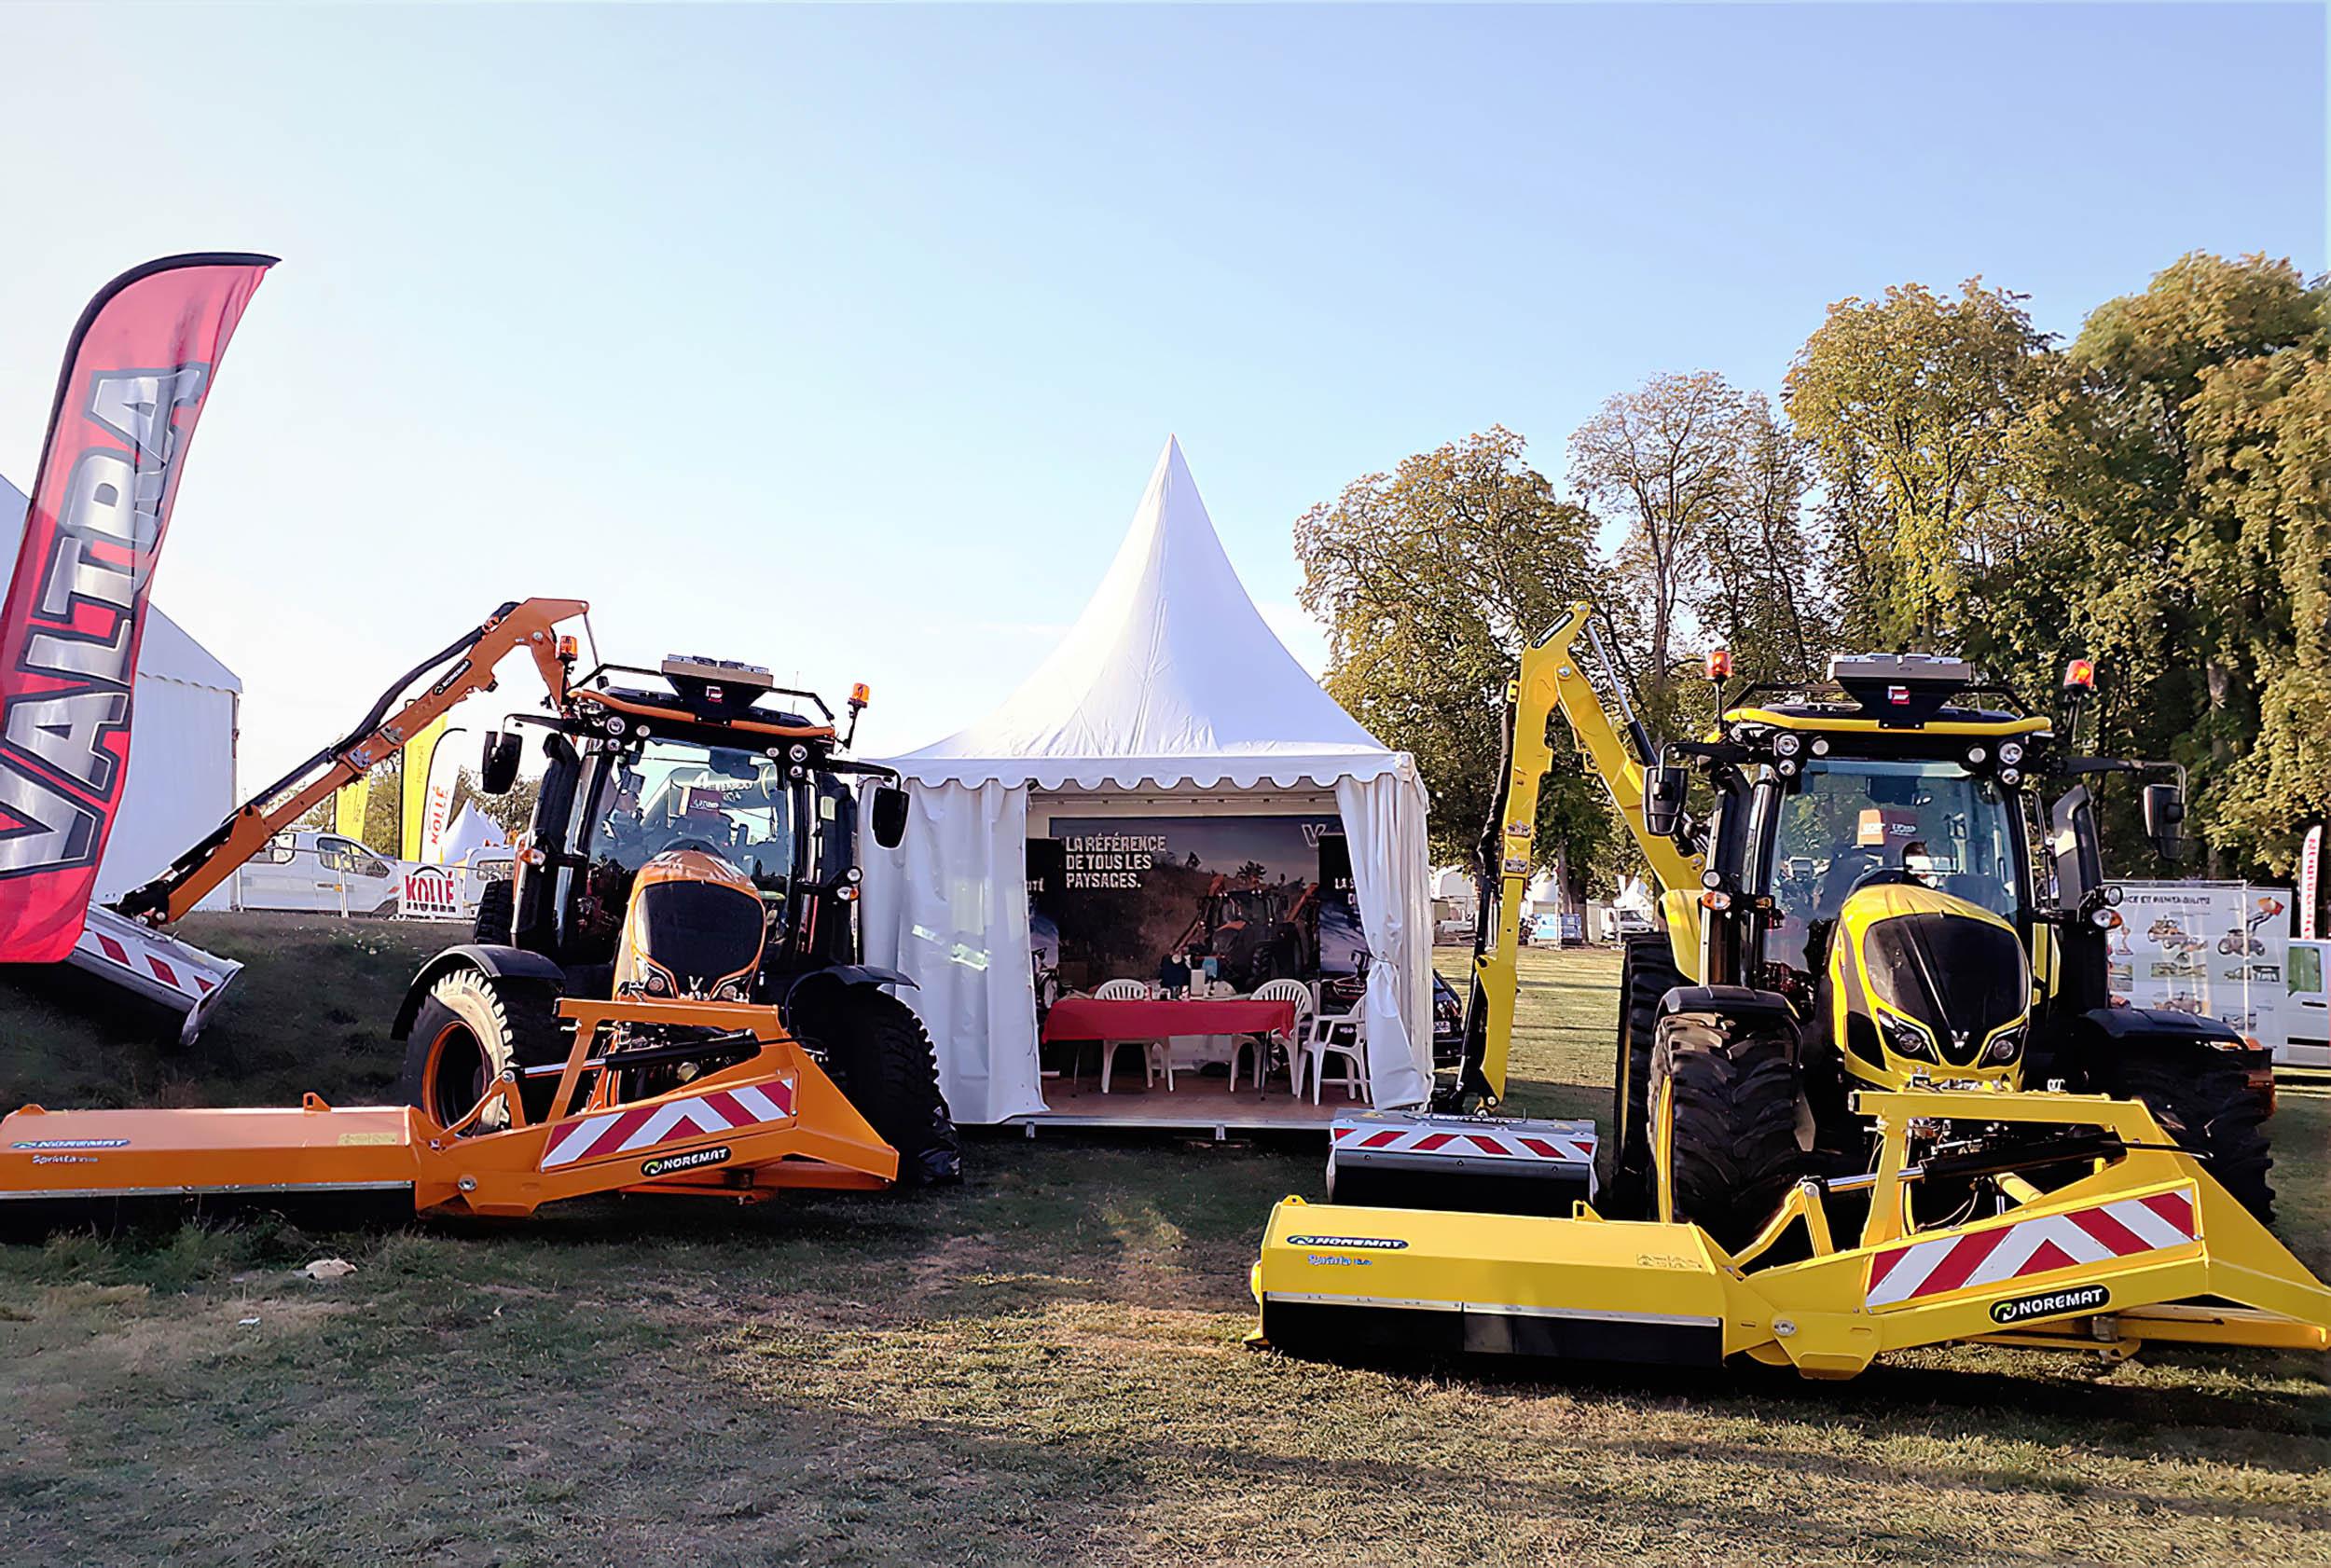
x=1745, y=1003
x=1729, y=1001
x=2143, y=1025
x=853, y=974
x=514, y=963
x=2104, y=1032
x=837, y=974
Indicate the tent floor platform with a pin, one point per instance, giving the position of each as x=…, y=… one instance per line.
x=1196, y=1104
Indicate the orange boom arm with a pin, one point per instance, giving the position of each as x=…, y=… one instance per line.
x=463, y=670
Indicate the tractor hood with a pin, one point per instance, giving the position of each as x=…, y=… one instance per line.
x=1951, y=966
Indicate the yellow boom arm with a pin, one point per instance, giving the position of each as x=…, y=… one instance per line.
x=1555, y=678
x=465, y=667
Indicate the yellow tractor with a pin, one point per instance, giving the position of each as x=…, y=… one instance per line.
x=1872, y=1092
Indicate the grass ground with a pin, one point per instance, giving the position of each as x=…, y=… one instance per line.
x=1044, y=1366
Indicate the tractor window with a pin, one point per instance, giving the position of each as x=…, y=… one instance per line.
x=674, y=795
x=1852, y=821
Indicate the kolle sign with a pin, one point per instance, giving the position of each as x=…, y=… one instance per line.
x=430, y=893
x=1264, y=898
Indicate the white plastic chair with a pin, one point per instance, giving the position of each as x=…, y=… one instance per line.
x=1154, y=1055
x=1340, y=1033
x=1294, y=991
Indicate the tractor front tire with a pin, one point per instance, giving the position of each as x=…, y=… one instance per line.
x=2209, y=1109
x=878, y=1055
x=471, y=1030
x=1732, y=1152
x=1647, y=974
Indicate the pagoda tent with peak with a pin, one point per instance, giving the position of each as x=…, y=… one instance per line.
x=1171, y=758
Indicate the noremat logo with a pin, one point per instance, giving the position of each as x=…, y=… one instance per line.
x=1377, y=1243
x=688, y=1162
x=2085, y=1298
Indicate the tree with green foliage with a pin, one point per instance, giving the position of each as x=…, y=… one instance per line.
x=1763, y=598
x=2177, y=461
x=1909, y=405
x=1431, y=579
x=1661, y=460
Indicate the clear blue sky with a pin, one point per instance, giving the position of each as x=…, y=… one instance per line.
x=844, y=341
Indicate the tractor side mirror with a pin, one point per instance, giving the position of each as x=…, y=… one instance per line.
x=2165, y=820
x=498, y=768
x=888, y=816
x=1664, y=792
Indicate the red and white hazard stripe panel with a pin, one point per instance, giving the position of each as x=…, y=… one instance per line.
x=155, y=964
x=1493, y=1144
x=2121, y=1228
x=628, y=1132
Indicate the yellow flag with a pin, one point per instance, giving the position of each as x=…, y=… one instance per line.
x=418, y=753
x=348, y=808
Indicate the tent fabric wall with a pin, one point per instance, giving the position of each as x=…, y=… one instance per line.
x=949, y=907
x=1383, y=822
x=182, y=776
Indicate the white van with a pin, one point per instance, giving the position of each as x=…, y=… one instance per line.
x=320, y=872
x=2308, y=1016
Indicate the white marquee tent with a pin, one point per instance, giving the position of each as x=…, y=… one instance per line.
x=472, y=833
x=182, y=741
x=1170, y=693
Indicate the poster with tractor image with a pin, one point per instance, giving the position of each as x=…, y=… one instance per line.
x=1265, y=898
x=2215, y=949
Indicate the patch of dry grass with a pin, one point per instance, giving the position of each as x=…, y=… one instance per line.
x=1046, y=1368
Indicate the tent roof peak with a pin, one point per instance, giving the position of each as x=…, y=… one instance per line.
x=1170, y=660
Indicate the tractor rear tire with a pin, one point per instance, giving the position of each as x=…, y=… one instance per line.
x=1733, y=1151
x=878, y=1055
x=2211, y=1110
x=497, y=911
x=1647, y=974
x=471, y=1030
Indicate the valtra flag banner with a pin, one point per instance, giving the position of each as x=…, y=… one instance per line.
x=139, y=365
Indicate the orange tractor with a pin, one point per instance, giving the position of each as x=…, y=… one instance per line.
x=666, y=997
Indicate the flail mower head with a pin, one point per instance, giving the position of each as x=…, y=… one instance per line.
x=751, y=1113
x=2098, y=1233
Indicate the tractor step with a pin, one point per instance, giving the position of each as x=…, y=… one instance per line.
x=1397, y=1159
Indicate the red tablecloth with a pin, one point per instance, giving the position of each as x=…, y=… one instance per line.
x=1089, y=1018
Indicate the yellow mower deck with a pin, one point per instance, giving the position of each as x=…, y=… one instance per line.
x=2147, y=1248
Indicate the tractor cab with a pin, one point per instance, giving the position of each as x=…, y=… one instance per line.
x=1879, y=838
x=704, y=759
x=695, y=841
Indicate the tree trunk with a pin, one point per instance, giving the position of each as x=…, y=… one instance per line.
x=2220, y=681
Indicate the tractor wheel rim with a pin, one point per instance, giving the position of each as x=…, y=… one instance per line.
x=446, y=1064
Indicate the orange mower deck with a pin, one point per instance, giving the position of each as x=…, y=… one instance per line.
x=742, y=1132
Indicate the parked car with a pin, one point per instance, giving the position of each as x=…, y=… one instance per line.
x=1631, y=923
x=321, y=872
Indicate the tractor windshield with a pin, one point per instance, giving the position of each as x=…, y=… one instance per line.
x=678, y=795
x=1851, y=821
